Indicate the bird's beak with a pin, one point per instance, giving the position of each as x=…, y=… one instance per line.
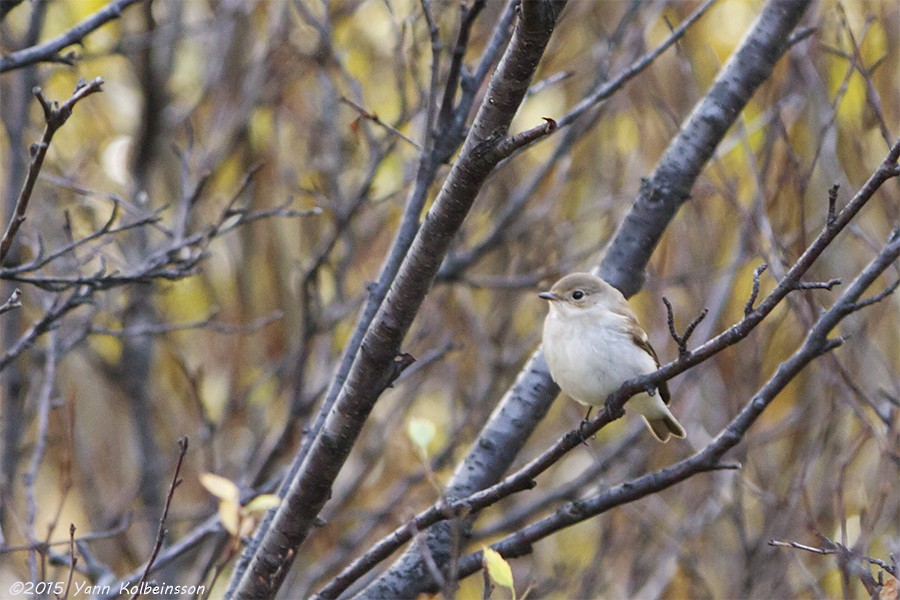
x=549, y=296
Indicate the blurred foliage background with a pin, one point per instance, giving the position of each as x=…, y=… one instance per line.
x=236, y=354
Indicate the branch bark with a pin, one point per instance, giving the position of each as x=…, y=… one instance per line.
x=49, y=50
x=527, y=401
x=670, y=184
x=524, y=478
x=816, y=344
x=485, y=146
x=55, y=116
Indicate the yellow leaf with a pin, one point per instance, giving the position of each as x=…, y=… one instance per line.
x=421, y=432
x=220, y=487
x=498, y=569
x=230, y=515
x=261, y=504
x=247, y=527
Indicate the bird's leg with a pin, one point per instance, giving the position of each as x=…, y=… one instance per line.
x=584, y=423
x=650, y=389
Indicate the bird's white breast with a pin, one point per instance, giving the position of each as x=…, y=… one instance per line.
x=591, y=354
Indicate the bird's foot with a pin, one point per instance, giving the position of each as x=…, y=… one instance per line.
x=613, y=412
x=582, y=431
x=650, y=389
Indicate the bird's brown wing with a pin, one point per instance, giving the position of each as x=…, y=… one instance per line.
x=639, y=336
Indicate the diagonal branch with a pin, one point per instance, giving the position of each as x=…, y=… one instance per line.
x=709, y=458
x=371, y=372
x=523, y=478
x=527, y=401
x=49, y=50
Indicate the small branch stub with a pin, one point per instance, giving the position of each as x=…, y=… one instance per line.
x=400, y=364
x=748, y=308
x=832, y=203
x=507, y=146
x=14, y=301
x=682, y=340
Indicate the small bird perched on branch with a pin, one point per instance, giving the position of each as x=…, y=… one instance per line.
x=593, y=343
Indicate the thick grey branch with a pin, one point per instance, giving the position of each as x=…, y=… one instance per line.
x=526, y=403
x=670, y=184
x=524, y=477
x=709, y=458
x=371, y=372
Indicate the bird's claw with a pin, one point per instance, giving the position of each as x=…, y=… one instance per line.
x=582, y=430
x=613, y=412
x=650, y=389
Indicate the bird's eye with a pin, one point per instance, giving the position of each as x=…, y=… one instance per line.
x=577, y=295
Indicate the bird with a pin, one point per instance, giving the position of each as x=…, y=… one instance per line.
x=593, y=343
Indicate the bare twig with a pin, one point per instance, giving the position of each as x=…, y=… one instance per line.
x=748, y=308
x=800, y=546
x=468, y=15
x=55, y=116
x=434, y=34
x=801, y=34
x=816, y=344
x=835, y=548
x=818, y=285
x=832, y=203
x=520, y=140
x=49, y=50
x=161, y=533
x=207, y=324
x=550, y=81
x=14, y=301
x=118, y=529
x=370, y=116
x=73, y=560
x=524, y=478
x=682, y=340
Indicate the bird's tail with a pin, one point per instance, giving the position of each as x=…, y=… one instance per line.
x=664, y=427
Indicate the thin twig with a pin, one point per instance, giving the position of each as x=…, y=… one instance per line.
x=815, y=344
x=524, y=478
x=118, y=529
x=55, y=116
x=682, y=340
x=834, y=548
x=818, y=285
x=370, y=116
x=45, y=399
x=748, y=308
x=161, y=533
x=467, y=19
x=49, y=50
x=73, y=560
x=14, y=301
x=876, y=298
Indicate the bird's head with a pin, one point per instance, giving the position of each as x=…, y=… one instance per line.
x=580, y=293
